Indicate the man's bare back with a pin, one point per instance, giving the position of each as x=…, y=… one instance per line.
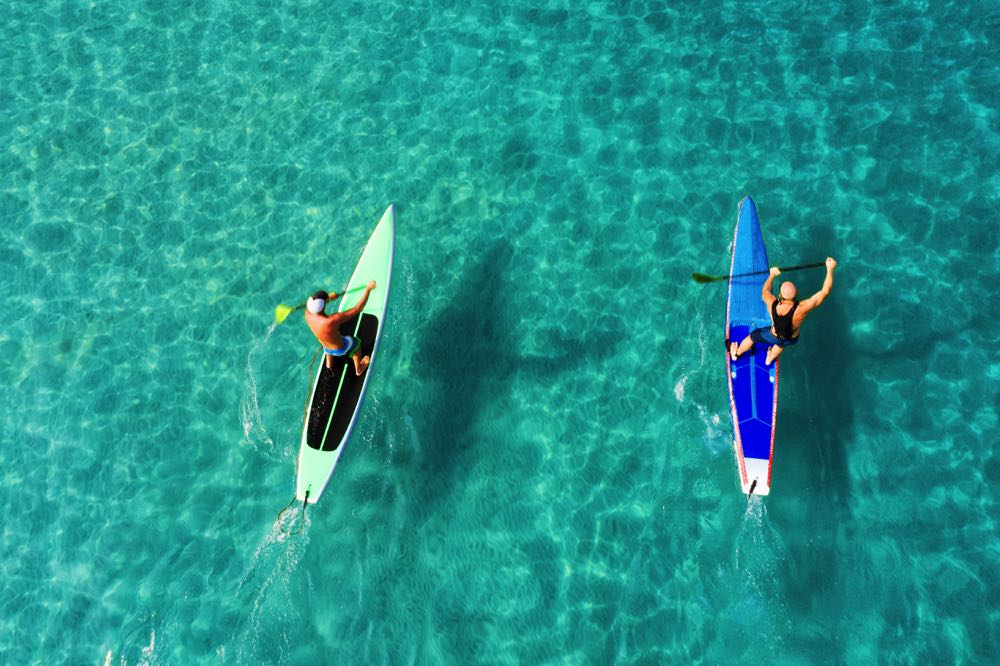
x=326, y=328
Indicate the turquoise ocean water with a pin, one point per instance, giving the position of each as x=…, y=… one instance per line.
x=543, y=470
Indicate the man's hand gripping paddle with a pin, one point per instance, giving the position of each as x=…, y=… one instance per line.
x=282, y=311
x=701, y=278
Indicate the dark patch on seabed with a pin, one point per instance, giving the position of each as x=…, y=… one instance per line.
x=816, y=424
x=820, y=417
x=469, y=361
x=465, y=358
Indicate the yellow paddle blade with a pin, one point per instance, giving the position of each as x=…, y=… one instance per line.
x=281, y=313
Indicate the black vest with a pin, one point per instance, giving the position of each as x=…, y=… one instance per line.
x=783, y=323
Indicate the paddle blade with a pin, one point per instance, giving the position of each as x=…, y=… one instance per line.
x=281, y=313
x=704, y=279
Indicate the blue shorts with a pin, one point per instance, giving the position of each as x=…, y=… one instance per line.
x=766, y=337
x=351, y=347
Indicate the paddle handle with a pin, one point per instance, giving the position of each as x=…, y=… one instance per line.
x=783, y=269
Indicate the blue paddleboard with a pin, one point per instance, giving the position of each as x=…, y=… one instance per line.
x=753, y=386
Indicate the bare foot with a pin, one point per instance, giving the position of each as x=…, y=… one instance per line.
x=772, y=353
x=329, y=361
x=360, y=368
x=733, y=350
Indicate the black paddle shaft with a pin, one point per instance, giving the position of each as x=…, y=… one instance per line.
x=701, y=277
x=783, y=269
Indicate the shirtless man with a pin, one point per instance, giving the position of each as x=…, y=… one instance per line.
x=326, y=328
x=787, y=315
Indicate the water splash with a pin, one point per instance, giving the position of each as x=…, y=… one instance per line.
x=414, y=437
x=147, y=653
x=148, y=650
x=679, y=388
x=715, y=436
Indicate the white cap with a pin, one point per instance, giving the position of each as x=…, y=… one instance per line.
x=315, y=305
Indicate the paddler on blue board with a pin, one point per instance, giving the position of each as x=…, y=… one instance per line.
x=326, y=328
x=787, y=315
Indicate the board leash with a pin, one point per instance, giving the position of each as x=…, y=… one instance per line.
x=301, y=524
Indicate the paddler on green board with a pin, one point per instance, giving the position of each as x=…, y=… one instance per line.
x=326, y=328
x=787, y=315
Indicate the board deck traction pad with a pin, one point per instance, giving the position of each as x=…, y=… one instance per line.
x=753, y=385
x=330, y=418
x=337, y=394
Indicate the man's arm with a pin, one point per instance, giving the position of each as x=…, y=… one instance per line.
x=817, y=299
x=353, y=312
x=765, y=292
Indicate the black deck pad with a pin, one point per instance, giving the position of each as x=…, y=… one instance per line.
x=322, y=411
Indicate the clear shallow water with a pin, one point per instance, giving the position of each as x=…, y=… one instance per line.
x=543, y=471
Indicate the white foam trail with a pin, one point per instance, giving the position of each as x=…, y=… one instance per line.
x=414, y=438
x=254, y=430
x=147, y=652
x=761, y=558
x=266, y=589
x=368, y=639
x=715, y=435
x=271, y=549
x=679, y=388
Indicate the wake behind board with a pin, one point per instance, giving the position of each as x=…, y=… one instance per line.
x=753, y=386
x=337, y=392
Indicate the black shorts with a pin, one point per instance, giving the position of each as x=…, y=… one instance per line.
x=765, y=337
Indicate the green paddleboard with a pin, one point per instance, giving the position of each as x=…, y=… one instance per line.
x=337, y=393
